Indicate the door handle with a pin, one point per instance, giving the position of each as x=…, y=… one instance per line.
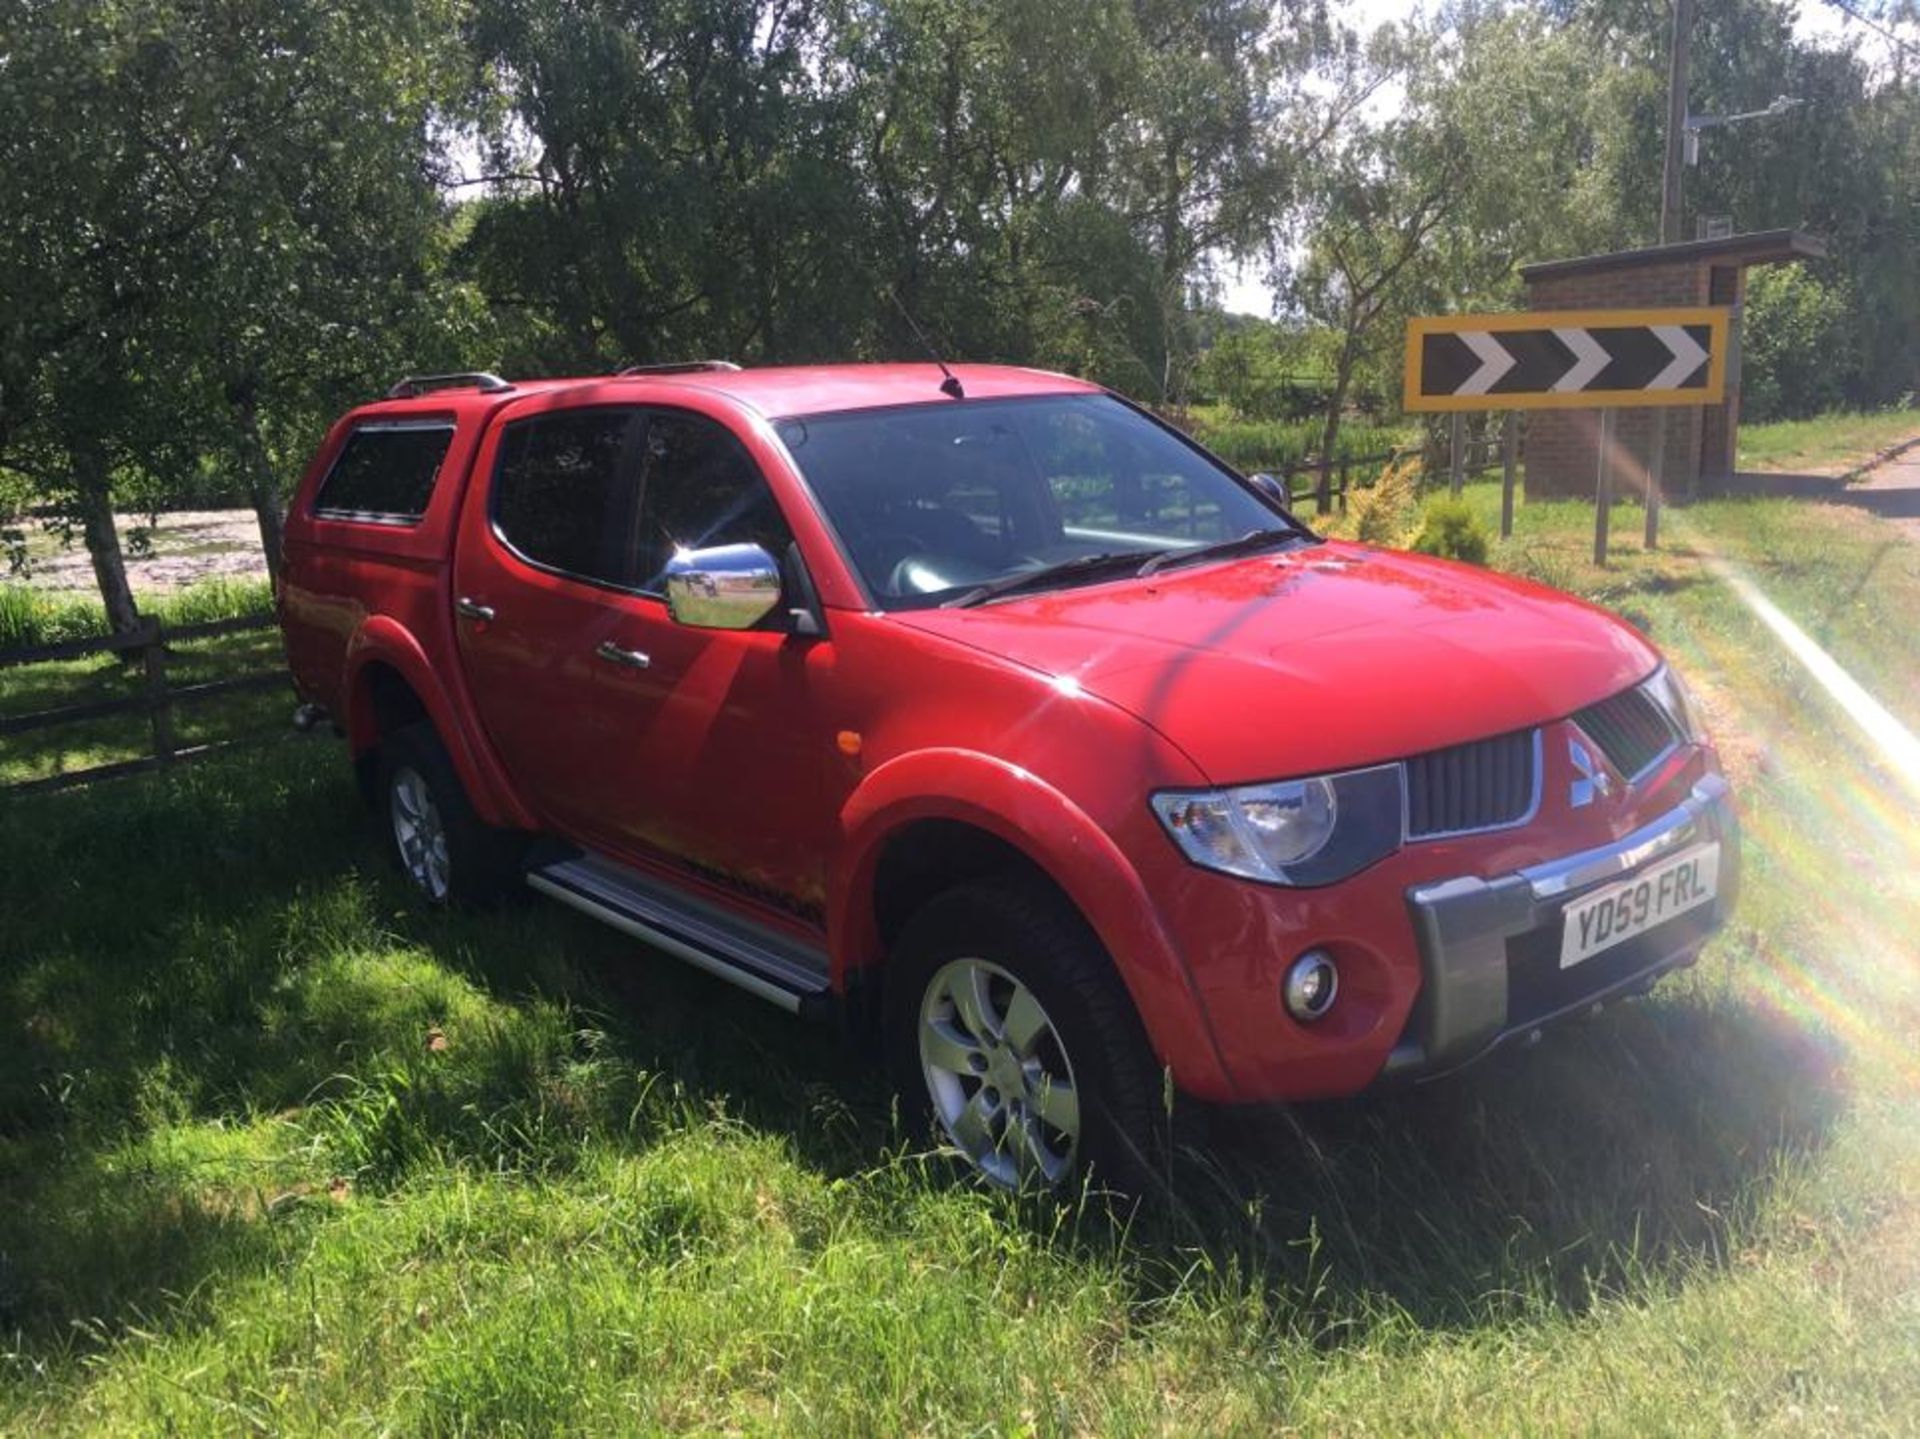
x=473, y=609
x=613, y=654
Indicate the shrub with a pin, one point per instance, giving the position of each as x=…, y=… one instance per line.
x=1797, y=354
x=1449, y=528
x=1382, y=513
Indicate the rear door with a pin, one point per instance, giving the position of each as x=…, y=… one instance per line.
x=540, y=562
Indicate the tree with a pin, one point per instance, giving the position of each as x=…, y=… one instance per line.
x=83, y=261
x=315, y=272
x=223, y=208
x=1373, y=207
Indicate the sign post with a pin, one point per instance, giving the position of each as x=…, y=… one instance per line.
x=1603, y=489
x=1509, y=462
x=1606, y=360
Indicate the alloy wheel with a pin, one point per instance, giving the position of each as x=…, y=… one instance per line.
x=999, y=1077
x=419, y=834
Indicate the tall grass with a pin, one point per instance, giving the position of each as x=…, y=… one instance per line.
x=30, y=617
x=1261, y=444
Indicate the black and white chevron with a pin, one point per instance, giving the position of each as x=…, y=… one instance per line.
x=1565, y=360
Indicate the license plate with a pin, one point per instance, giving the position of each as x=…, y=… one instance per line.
x=1617, y=913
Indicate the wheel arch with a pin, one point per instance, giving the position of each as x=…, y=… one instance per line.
x=927, y=822
x=389, y=684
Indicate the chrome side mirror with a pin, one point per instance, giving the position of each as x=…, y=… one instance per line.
x=1274, y=489
x=727, y=587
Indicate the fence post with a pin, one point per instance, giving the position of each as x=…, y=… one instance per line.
x=1603, y=489
x=1656, y=478
x=1346, y=474
x=1323, y=497
x=160, y=713
x=1456, y=465
x=1509, y=463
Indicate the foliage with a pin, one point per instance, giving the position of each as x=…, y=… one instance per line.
x=1262, y=371
x=1796, y=355
x=1250, y=445
x=1451, y=529
x=1383, y=513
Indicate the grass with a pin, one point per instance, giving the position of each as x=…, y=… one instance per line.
x=29, y=617
x=283, y=1152
x=1826, y=444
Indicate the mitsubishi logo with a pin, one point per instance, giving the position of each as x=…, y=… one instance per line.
x=1593, y=782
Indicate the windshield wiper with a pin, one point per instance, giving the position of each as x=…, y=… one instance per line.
x=1078, y=566
x=1249, y=543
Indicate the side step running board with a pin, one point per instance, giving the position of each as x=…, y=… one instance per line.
x=749, y=955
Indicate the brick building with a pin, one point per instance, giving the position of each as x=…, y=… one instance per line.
x=1562, y=446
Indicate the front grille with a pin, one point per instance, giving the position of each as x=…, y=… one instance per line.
x=1630, y=729
x=1483, y=785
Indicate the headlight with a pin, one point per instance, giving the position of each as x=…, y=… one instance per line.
x=1667, y=690
x=1296, y=832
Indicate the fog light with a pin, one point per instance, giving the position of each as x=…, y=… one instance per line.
x=1311, y=985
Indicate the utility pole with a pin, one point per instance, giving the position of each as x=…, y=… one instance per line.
x=1670, y=216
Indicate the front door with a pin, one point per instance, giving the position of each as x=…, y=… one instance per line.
x=724, y=751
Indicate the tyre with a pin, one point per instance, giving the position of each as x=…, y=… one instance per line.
x=446, y=853
x=1012, y=1038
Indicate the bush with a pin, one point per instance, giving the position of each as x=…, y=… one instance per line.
x=1450, y=529
x=1383, y=512
x=1798, y=355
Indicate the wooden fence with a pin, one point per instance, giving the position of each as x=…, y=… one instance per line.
x=157, y=698
x=1466, y=456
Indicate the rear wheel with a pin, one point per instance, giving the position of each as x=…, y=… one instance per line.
x=1013, y=1037
x=446, y=853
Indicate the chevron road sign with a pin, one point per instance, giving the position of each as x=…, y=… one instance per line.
x=1567, y=359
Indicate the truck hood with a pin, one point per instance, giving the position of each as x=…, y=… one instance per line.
x=1316, y=659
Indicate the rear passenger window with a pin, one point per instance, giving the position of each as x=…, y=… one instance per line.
x=699, y=488
x=384, y=472
x=558, y=496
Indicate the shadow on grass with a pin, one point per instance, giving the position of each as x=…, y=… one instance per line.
x=211, y=1003
x=1628, y=1150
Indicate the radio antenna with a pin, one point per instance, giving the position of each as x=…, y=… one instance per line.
x=951, y=384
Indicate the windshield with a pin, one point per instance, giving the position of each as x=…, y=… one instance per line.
x=935, y=501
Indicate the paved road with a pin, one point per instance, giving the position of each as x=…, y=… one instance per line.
x=1892, y=491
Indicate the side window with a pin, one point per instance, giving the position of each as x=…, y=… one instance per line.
x=699, y=487
x=384, y=472
x=558, y=494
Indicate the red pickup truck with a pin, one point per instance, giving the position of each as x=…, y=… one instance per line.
x=982, y=712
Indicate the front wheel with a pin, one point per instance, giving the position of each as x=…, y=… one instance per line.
x=1011, y=1033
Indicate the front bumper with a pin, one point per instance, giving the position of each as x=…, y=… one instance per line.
x=1489, y=948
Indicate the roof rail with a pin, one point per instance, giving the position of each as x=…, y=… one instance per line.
x=414, y=385
x=680, y=367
